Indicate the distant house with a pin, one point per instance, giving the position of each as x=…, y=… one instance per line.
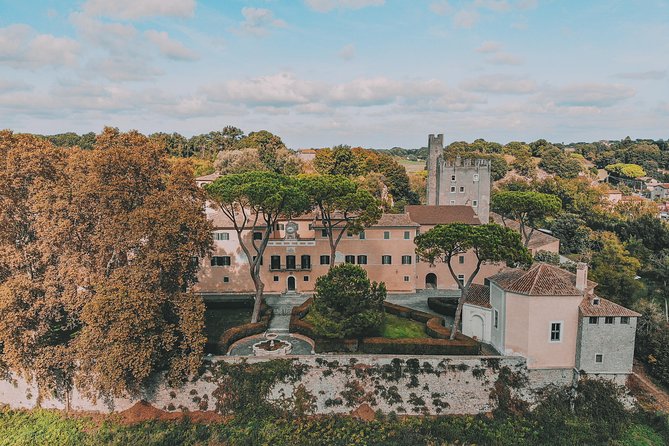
x=554, y=319
x=206, y=179
x=661, y=192
x=613, y=196
x=540, y=241
x=306, y=155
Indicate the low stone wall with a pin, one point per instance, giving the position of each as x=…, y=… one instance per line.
x=338, y=384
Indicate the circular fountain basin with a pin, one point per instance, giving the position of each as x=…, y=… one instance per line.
x=272, y=346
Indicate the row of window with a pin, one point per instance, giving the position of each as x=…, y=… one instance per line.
x=224, y=236
x=593, y=320
x=305, y=261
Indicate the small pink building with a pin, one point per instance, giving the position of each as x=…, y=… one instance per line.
x=553, y=318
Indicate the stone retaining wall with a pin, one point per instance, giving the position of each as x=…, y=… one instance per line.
x=341, y=384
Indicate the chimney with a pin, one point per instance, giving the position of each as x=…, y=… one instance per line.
x=581, y=276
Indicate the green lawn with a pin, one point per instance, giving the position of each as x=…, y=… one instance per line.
x=397, y=327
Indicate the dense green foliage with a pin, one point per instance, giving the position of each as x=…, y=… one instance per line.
x=346, y=304
x=528, y=208
x=597, y=418
x=626, y=170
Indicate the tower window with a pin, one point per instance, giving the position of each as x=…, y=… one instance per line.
x=476, y=177
x=453, y=189
x=452, y=177
x=462, y=189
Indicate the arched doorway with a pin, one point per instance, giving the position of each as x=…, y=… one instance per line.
x=477, y=327
x=431, y=281
x=291, y=283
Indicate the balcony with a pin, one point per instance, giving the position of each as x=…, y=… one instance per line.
x=282, y=268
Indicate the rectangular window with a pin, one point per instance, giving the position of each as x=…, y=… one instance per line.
x=325, y=260
x=496, y=319
x=556, y=331
x=475, y=203
x=406, y=278
x=476, y=177
x=226, y=279
x=194, y=262
x=406, y=260
x=279, y=226
x=275, y=262
x=349, y=234
x=452, y=189
x=461, y=279
x=290, y=262
x=386, y=235
x=609, y=320
x=452, y=201
x=593, y=320
x=599, y=358
x=305, y=261
x=276, y=278
x=324, y=232
x=221, y=236
x=362, y=235
x=362, y=260
x=417, y=258
x=461, y=259
x=306, y=278
x=407, y=235
x=462, y=189
x=386, y=260
x=624, y=320
x=220, y=261
x=349, y=259
x=257, y=235
x=452, y=177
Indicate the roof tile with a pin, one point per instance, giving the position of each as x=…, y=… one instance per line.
x=436, y=215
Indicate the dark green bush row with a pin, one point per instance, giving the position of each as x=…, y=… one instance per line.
x=442, y=305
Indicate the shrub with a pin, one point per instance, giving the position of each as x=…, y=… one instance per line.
x=346, y=304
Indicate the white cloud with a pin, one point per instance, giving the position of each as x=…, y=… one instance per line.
x=500, y=84
x=347, y=52
x=9, y=86
x=22, y=47
x=138, y=9
x=466, y=18
x=169, y=47
x=278, y=90
x=258, y=21
x=489, y=46
x=644, y=75
x=493, y=5
x=590, y=95
x=329, y=5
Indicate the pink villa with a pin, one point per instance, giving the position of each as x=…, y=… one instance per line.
x=545, y=314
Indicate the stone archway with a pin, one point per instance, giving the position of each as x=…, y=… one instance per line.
x=477, y=328
x=431, y=281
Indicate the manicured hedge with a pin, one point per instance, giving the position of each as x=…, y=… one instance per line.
x=438, y=344
x=234, y=334
x=442, y=305
x=419, y=346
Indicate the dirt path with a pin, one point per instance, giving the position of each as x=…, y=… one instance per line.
x=647, y=393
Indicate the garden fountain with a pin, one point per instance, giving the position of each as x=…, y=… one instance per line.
x=272, y=346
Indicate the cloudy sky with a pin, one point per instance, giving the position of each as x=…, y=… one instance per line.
x=376, y=73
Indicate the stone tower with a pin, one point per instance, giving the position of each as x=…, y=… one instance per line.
x=457, y=181
x=435, y=145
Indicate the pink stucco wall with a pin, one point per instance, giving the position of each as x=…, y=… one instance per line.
x=530, y=336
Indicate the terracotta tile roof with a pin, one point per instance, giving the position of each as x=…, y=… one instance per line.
x=541, y=279
x=435, y=215
x=478, y=295
x=605, y=308
x=396, y=220
x=539, y=239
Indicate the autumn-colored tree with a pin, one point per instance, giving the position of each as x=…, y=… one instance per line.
x=95, y=278
x=342, y=205
x=490, y=243
x=253, y=198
